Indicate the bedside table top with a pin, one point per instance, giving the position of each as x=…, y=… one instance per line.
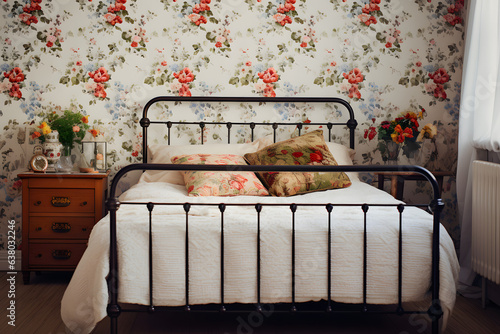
x=64, y=175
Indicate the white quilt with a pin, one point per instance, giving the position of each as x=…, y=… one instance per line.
x=85, y=300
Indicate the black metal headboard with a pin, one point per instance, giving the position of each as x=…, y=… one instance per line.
x=145, y=122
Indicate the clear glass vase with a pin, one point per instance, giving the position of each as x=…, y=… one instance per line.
x=65, y=163
x=392, y=152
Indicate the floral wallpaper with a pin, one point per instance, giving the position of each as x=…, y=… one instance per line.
x=107, y=58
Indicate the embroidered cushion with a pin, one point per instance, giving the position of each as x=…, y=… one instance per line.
x=308, y=149
x=211, y=183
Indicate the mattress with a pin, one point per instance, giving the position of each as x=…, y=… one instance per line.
x=85, y=300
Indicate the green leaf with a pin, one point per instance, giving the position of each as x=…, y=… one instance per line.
x=149, y=80
x=234, y=81
x=75, y=81
x=319, y=81
x=329, y=81
x=404, y=81
x=64, y=80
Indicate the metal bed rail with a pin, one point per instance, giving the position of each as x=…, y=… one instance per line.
x=435, y=206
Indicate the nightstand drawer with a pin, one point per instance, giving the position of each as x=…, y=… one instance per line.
x=56, y=254
x=60, y=227
x=61, y=200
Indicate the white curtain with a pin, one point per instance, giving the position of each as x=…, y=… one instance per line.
x=479, y=123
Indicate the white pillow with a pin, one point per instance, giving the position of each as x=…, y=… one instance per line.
x=344, y=156
x=160, y=153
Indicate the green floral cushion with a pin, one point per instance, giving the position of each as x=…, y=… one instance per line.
x=210, y=183
x=308, y=149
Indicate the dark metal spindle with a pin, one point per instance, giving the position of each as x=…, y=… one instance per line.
x=202, y=130
x=252, y=128
x=222, y=208
x=229, y=125
x=187, y=207
x=150, y=207
x=169, y=126
x=275, y=126
x=258, y=208
x=329, y=209
x=299, y=126
x=400, y=310
x=329, y=126
x=365, y=210
x=293, y=208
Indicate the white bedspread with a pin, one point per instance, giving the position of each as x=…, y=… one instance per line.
x=85, y=300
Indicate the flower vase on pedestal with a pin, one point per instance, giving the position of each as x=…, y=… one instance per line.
x=392, y=152
x=65, y=163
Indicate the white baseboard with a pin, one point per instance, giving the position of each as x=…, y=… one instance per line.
x=4, y=264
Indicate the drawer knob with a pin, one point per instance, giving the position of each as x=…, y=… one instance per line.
x=84, y=229
x=61, y=254
x=61, y=227
x=38, y=229
x=37, y=203
x=39, y=255
x=84, y=203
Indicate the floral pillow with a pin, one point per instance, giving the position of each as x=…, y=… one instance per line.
x=308, y=149
x=212, y=183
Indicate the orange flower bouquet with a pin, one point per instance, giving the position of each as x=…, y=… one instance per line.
x=402, y=132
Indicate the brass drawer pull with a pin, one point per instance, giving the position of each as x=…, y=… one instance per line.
x=61, y=254
x=60, y=201
x=83, y=203
x=61, y=227
x=37, y=203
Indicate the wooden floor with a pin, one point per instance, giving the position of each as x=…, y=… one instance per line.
x=38, y=311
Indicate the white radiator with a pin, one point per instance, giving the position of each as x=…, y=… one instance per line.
x=486, y=220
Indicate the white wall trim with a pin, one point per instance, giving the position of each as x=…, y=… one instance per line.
x=4, y=265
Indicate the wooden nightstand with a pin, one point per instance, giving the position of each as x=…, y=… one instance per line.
x=59, y=211
x=398, y=180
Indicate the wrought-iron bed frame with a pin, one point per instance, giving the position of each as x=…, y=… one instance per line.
x=436, y=205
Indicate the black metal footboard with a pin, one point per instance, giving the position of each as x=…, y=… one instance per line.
x=435, y=206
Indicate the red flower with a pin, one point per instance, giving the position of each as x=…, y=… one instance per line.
x=270, y=75
x=317, y=156
x=134, y=44
x=354, y=76
x=99, y=91
x=184, y=76
x=218, y=45
x=297, y=154
x=440, y=76
x=354, y=92
x=184, y=91
x=439, y=92
x=269, y=91
x=284, y=152
x=14, y=75
x=15, y=91
x=385, y=125
x=100, y=75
